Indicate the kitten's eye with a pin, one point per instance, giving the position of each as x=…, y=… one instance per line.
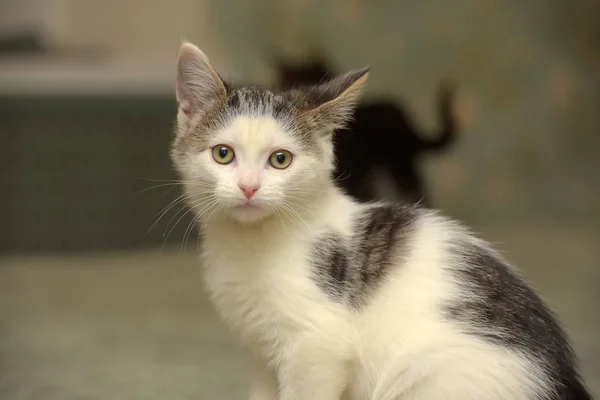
x=281, y=159
x=223, y=154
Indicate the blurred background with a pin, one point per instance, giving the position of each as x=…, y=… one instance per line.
x=94, y=304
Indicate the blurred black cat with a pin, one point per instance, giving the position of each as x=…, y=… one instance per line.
x=381, y=143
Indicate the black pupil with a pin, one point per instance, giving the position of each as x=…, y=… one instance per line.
x=280, y=157
x=223, y=151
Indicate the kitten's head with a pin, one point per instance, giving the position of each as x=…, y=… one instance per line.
x=249, y=153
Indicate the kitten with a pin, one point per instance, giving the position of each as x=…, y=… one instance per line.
x=335, y=299
x=381, y=143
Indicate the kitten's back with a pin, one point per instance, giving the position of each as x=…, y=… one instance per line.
x=486, y=308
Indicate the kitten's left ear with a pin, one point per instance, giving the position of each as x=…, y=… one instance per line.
x=336, y=100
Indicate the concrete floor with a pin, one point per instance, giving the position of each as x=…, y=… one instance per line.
x=136, y=325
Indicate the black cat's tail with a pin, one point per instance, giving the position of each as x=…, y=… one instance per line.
x=447, y=132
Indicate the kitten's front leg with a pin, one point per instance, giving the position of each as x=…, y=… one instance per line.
x=313, y=374
x=264, y=383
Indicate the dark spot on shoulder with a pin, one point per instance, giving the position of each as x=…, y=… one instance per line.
x=329, y=258
x=379, y=233
x=350, y=268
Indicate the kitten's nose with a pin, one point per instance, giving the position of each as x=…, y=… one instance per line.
x=249, y=190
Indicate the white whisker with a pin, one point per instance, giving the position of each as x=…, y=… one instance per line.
x=166, y=209
x=290, y=210
x=194, y=220
x=207, y=220
x=188, y=209
x=279, y=217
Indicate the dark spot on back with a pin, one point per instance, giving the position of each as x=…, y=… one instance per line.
x=504, y=310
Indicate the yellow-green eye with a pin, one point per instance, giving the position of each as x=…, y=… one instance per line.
x=223, y=154
x=281, y=159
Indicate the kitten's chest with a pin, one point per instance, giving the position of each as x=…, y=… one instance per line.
x=264, y=292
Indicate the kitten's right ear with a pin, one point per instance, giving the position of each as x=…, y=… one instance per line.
x=198, y=84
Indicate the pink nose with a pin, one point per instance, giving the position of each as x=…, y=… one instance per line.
x=249, y=190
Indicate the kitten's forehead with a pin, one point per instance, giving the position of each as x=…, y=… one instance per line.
x=255, y=134
x=257, y=109
x=249, y=107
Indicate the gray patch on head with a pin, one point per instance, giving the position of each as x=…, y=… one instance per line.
x=251, y=100
x=254, y=101
x=501, y=308
x=195, y=138
x=350, y=269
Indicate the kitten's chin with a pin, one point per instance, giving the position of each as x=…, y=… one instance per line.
x=249, y=215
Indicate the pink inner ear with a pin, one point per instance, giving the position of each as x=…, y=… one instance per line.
x=185, y=108
x=184, y=104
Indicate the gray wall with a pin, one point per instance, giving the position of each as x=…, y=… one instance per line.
x=529, y=105
x=75, y=172
x=529, y=76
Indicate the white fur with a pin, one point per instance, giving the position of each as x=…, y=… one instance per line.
x=305, y=345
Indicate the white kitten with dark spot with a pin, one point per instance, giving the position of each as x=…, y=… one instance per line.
x=339, y=300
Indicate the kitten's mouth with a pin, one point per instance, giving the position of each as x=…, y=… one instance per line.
x=248, y=206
